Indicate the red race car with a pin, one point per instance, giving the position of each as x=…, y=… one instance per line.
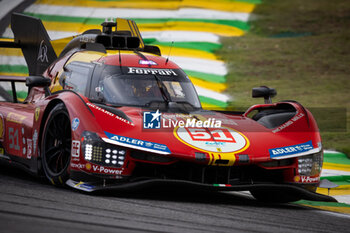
x=110, y=113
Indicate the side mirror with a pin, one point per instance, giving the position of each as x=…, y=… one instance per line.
x=265, y=92
x=37, y=81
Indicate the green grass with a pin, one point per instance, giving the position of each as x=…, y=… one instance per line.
x=301, y=48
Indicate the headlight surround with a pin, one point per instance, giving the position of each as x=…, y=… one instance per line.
x=96, y=151
x=310, y=165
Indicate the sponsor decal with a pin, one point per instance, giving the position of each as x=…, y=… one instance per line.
x=296, y=178
x=289, y=123
x=77, y=165
x=165, y=72
x=147, y=62
x=81, y=185
x=36, y=114
x=291, y=150
x=155, y=120
x=84, y=186
x=75, y=123
x=80, y=166
x=307, y=179
x=2, y=127
x=224, y=140
x=138, y=144
x=86, y=39
x=29, y=148
x=42, y=55
x=15, y=118
x=13, y=139
x=75, y=148
x=109, y=113
x=105, y=170
x=35, y=140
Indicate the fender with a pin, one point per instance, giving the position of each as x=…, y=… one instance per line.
x=283, y=116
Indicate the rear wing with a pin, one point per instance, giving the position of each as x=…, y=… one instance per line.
x=31, y=36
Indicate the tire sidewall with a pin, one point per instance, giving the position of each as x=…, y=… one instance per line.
x=60, y=178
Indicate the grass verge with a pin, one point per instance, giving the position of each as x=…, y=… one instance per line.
x=301, y=48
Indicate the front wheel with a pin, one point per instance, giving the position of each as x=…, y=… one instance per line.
x=56, y=145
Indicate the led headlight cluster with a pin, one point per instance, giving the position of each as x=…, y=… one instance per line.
x=305, y=165
x=97, y=151
x=115, y=156
x=88, y=152
x=310, y=165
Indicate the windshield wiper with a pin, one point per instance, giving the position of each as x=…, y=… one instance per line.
x=163, y=89
x=166, y=96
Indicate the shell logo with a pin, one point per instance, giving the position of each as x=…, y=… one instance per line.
x=297, y=178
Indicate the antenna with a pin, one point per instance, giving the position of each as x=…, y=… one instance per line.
x=172, y=44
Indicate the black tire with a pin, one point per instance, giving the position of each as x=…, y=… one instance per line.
x=56, y=145
x=274, y=196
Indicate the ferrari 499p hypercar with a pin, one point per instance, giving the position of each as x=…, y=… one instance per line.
x=110, y=113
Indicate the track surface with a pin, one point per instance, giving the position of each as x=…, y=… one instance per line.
x=28, y=204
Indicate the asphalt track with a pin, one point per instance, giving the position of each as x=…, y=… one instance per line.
x=29, y=204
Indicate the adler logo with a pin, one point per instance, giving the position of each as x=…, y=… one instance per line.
x=291, y=150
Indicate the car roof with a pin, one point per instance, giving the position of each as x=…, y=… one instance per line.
x=124, y=58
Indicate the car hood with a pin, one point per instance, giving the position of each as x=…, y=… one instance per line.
x=219, y=137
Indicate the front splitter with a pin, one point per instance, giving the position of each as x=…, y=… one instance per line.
x=132, y=186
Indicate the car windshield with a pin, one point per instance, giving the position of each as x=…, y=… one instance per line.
x=147, y=90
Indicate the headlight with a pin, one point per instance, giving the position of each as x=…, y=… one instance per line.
x=310, y=165
x=99, y=152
